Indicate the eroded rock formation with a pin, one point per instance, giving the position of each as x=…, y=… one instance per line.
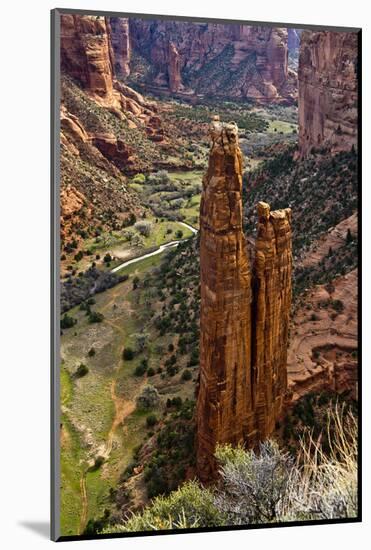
x=224, y=399
x=244, y=319
x=327, y=91
x=271, y=315
x=120, y=39
x=238, y=61
x=86, y=52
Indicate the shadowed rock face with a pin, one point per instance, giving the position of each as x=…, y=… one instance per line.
x=244, y=319
x=327, y=91
x=236, y=61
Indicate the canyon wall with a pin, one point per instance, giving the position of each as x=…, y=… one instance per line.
x=120, y=39
x=327, y=91
x=86, y=52
x=244, y=318
x=235, y=61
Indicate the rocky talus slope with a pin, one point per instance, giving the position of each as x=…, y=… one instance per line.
x=244, y=320
x=327, y=91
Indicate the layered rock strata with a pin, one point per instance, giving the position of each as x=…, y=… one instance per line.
x=328, y=91
x=244, y=318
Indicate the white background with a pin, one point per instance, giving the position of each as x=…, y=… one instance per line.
x=24, y=290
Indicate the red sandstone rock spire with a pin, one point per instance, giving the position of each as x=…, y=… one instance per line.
x=271, y=315
x=244, y=320
x=224, y=393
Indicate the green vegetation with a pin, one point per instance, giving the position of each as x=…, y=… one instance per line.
x=128, y=354
x=265, y=487
x=97, y=119
x=246, y=120
x=67, y=321
x=81, y=370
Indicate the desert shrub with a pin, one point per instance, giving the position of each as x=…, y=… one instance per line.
x=91, y=352
x=140, y=370
x=151, y=420
x=128, y=354
x=98, y=462
x=107, y=258
x=148, y=399
x=186, y=374
x=128, y=234
x=141, y=339
x=137, y=241
x=253, y=485
x=79, y=256
x=324, y=485
x=139, y=178
x=81, y=370
x=144, y=227
x=67, y=321
x=189, y=506
x=151, y=371
x=179, y=234
x=95, y=317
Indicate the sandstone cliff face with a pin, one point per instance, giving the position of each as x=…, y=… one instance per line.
x=271, y=315
x=327, y=91
x=86, y=52
x=120, y=39
x=244, y=320
x=175, y=81
x=224, y=60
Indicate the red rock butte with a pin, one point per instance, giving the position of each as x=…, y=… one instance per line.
x=244, y=312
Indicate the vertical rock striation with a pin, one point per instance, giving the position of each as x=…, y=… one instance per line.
x=271, y=315
x=225, y=391
x=120, y=39
x=327, y=91
x=86, y=52
x=175, y=80
x=244, y=317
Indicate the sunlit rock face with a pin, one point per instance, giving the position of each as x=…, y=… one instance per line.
x=86, y=52
x=327, y=91
x=224, y=399
x=271, y=315
x=244, y=314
